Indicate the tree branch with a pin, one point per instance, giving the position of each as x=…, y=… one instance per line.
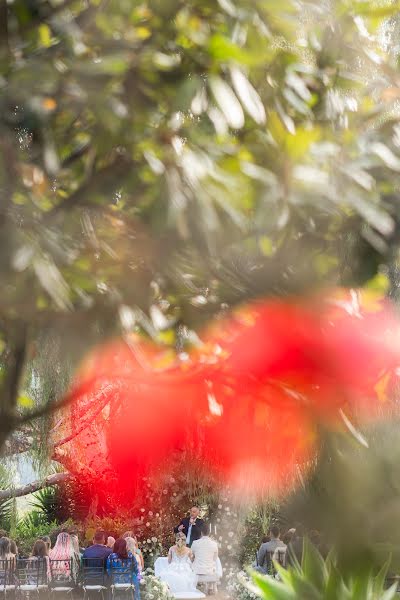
x=103, y=182
x=90, y=416
x=24, y=490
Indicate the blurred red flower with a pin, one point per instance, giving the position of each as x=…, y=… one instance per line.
x=251, y=397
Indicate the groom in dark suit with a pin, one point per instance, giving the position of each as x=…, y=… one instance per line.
x=190, y=526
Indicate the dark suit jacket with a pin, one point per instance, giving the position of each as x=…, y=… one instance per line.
x=195, y=533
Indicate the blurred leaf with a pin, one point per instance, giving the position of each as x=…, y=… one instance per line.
x=45, y=35
x=313, y=565
x=380, y=284
x=25, y=401
x=227, y=102
x=248, y=95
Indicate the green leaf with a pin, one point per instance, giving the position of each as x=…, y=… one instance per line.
x=222, y=49
x=44, y=35
x=380, y=284
x=272, y=589
x=304, y=588
x=390, y=593
x=379, y=581
x=25, y=401
x=227, y=102
x=113, y=64
x=335, y=585
x=361, y=587
x=313, y=565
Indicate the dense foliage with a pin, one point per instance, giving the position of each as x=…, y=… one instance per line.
x=322, y=580
x=162, y=160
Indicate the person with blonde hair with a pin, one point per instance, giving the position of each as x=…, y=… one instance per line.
x=179, y=574
x=64, y=550
x=133, y=546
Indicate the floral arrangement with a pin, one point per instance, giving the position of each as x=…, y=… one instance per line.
x=153, y=588
x=237, y=586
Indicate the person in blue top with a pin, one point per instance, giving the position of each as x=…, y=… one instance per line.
x=122, y=566
x=98, y=549
x=95, y=559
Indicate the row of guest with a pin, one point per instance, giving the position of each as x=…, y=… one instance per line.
x=287, y=550
x=66, y=549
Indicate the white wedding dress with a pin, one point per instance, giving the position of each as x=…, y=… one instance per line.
x=179, y=575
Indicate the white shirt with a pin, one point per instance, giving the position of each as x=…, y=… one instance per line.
x=205, y=551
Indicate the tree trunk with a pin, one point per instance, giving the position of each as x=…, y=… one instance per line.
x=34, y=486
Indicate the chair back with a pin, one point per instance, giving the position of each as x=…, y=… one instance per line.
x=61, y=573
x=32, y=571
x=7, y=572
x=268, y=564
x=93, y=571
x=121, y=570
x=280, y=556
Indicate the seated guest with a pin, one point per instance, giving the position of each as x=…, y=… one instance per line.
x=5, y=555
x=13, y=548
x=132, y=545
x=5, y=549
x=118, y=562
x=98, y=549
x=46, y=539
x=287, y=537
x=64, y=551
x=266, y=551
x=205, y=553
x=110, y=542
x=295, y=548
x=40, y=553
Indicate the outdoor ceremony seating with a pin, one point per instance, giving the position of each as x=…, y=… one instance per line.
x=61, y=577
x=94, y=577
x=23, y=577
x=30, y=576
x=121, y=578
x=8, y=581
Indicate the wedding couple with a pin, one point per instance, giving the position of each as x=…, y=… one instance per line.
x=193, y=554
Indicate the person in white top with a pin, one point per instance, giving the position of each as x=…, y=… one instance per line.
x=205, y=553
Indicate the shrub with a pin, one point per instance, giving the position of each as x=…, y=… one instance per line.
x=321, y=580
x=32, y=526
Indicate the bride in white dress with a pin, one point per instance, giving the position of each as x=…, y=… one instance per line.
x=179, y=575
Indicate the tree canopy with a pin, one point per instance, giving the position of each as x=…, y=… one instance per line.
x=164, y=160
